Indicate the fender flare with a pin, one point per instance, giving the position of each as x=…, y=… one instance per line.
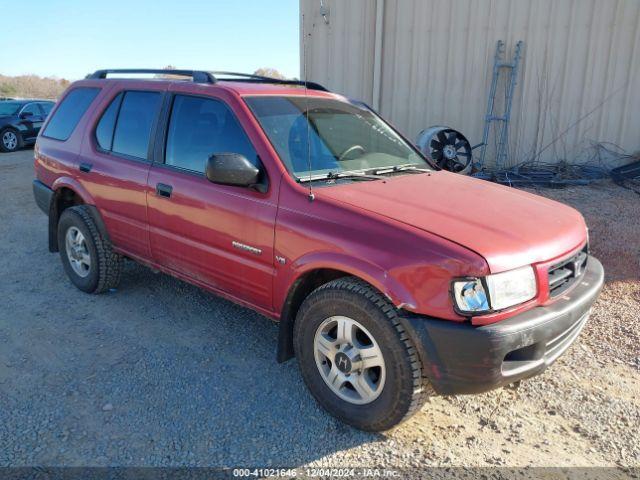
x=54, y=215
x=73, y=184
x=371, y=273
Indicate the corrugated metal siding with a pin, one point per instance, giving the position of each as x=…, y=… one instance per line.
x=341, y=52
x=579, y=82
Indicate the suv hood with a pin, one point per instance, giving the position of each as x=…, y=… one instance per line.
x=508, y=227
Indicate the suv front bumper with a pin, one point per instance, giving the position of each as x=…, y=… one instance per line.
x=461, y=358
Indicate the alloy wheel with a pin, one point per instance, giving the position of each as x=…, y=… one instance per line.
x=77, y=252
x=349, y=360
x=10, y=140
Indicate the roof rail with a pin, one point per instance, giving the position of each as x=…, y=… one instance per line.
x=201, y=76
x=249, y=78
x=242, y=75
x=198, y=76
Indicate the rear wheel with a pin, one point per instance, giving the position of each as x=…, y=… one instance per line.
x=356, y=357
x=87, y=257
x=10, y=140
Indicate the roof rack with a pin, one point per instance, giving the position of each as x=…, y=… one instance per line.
x=198, y=76
x=201, y=76
x=250, y=78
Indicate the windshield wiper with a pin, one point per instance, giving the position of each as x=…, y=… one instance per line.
x=359, y=175
x=371, y=174
x=401, y=168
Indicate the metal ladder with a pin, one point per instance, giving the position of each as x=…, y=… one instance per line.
x=503, y=138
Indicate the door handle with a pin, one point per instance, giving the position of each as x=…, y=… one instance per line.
x=86, y=167
x=164, y=190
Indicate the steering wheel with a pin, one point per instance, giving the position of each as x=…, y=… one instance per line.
x=352, y=149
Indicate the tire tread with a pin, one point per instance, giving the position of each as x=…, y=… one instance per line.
x=109, y=262
x=422, y=388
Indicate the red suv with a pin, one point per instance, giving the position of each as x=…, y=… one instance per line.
x=391, y=280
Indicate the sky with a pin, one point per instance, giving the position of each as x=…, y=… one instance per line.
x=71, y=38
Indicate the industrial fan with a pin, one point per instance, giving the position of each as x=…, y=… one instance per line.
x=447, y=148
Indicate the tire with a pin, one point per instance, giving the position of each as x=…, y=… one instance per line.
x=100, y=269
x=402, y=387
x=10, y=140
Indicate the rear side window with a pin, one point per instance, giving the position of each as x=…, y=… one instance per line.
x=135, y=121
x=200, y=127
x=106, y=125
x=69, y=113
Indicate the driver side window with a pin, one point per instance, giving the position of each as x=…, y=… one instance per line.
x=33, y=109
x=199, y=127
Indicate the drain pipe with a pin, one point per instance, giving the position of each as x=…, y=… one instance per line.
x=377, y=55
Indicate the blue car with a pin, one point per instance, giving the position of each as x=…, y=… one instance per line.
x=20, y=122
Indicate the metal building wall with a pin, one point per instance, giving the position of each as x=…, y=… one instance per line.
x=579, y=82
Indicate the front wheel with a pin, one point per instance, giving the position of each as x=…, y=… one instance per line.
x=10, y=140
x=356, y=357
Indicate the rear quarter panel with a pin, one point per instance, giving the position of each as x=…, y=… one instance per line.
x=56, y=161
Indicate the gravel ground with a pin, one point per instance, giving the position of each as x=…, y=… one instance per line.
x=161, y=373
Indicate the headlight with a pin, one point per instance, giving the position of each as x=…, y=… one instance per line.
x=495, y=292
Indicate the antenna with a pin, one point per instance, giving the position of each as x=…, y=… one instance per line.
x=306, y=108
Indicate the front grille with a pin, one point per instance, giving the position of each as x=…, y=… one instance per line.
x=564, y=274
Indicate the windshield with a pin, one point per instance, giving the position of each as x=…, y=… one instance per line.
x=340, y=136
x=9, y=108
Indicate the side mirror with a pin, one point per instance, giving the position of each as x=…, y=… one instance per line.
x=26, y=114
x=232, y=169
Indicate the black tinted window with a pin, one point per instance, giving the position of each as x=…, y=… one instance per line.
x=133, y=128
x=69, y=113
x=46, y=107
x=33, y=109
x=9, y=108
x=104, y=130
x=200, y=127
